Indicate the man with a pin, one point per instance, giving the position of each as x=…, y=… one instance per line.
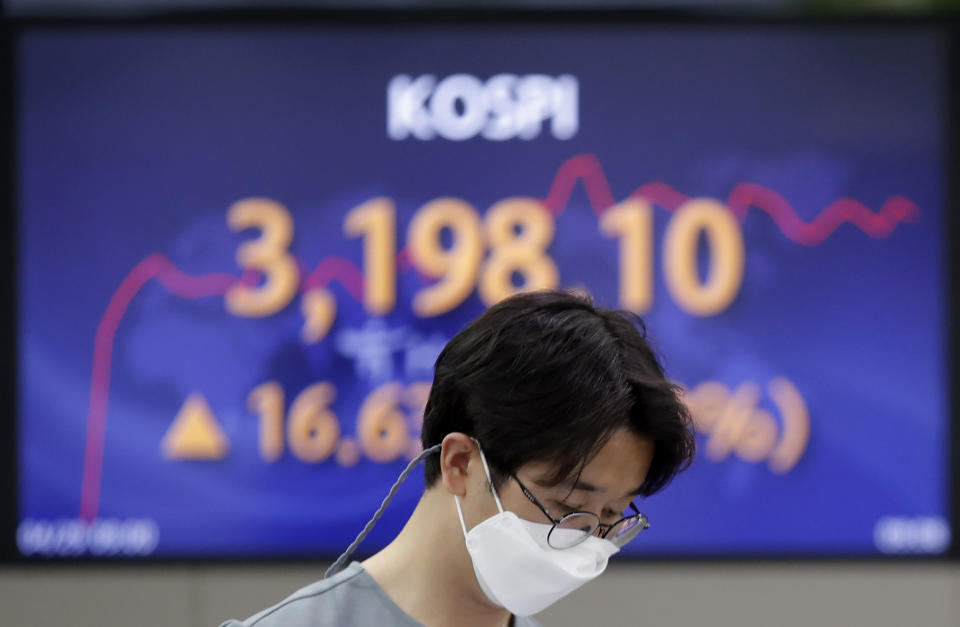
x=547, y=419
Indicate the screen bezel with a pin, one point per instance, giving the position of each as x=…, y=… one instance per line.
x=614, y=19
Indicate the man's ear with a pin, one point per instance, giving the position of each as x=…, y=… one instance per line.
x=455, y=456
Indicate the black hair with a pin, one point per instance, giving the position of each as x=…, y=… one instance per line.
x=548, y=376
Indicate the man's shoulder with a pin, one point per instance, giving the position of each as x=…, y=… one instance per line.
x=351, y=597
x=310, y=605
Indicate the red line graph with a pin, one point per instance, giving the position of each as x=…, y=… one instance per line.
x=156, y=266
x=585, y=169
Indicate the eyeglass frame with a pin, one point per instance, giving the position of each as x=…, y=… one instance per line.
x=642, y=520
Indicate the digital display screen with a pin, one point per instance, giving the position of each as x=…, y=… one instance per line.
x=242, y=248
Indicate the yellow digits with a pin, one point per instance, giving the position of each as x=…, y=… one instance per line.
x=711, y=217
x=384, y=432
x=376, y=221
x=632, y=222
x=381, y=427
x=518, y=233
x=267, y=254
x=313, y=429
x=266, y=400
x=519, y=230
x=457, y=266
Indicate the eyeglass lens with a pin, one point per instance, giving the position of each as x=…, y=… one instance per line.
x=577, y=527
x=625, y=531
x=573, y=529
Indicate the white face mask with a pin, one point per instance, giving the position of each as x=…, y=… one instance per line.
x=518, y=570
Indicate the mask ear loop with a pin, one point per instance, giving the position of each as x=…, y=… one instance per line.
x=337, y=565
x=486, y=469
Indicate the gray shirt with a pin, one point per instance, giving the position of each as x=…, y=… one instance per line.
x=351, y=597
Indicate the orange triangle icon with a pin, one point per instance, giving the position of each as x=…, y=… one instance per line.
x=195, y=433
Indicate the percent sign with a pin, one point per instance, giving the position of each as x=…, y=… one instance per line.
x=734, y=422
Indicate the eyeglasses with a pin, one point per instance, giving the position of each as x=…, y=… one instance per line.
x=571, y=529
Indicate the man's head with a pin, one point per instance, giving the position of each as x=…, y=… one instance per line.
x=546, y=381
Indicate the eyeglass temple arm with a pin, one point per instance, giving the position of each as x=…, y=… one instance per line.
x=534, y=500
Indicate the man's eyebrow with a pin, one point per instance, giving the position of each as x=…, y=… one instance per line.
x=571, y=485
x=587, y=487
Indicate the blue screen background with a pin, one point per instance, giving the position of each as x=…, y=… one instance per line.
x=136, y=141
